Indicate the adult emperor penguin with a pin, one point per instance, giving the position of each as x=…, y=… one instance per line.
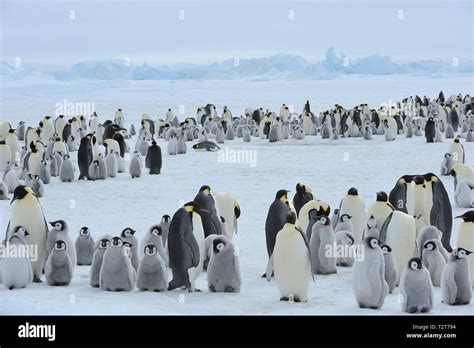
x=153, y=158
x=310, y=213
x=186, y=247
x=47, y=128
x=391, y=272
x=430, y=130
x=302, y=196
x=380, y=209
x=229, y=209
x=206, y=201
x=456, y=286
x=402, y=196
x=59, y=267
x=368, y=279
x=416, y=288
x=399, y=231
x=464, y=194
x=16, y=270
x=466, y=237
x=433, y=260
x=97, y=259
x=276, y=219
x=353, y=205
x=84, y=247
x=26, y=211
x=12, y=141
x=84, y=156
x=223, y=271
x=456, y=149
x=128, y=235
x=152, y=275
x=291, y=262
x=438, y=208
x=117, y=272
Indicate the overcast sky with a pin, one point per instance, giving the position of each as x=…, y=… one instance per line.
x=42, y=33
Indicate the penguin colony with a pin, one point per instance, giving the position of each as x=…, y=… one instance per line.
x=404, y=235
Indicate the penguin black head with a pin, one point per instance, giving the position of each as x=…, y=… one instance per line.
x=20, y=192
x=206, y=189
x=156, y=230
x=219, y=244
x=461, y=253
x=430, y=177
x=447, y=155
x=371, y=242
x=191, y=206
x=352, y=192
x=104, y=243
x=381, y=196
x=150, y=250
x=237, y=210
x=170, y=110
x=84, y=231
x=59, y=225
x=430, y=245
x=127, y=232
x=468, y=216
x=153, y=142
x=127, y=245
x=415, y=264
x=116, y=242
x=324, y=220
x=385, y=248
x=282, y=195
x=166, y=218
x=291, y=218
x=456, y=140
x=21, y=230
x=60, y=245
x=419, y=180
x=345, y=217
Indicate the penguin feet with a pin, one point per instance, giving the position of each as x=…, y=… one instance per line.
x=284, y=298
x=11, y=287
x=37, y=280
x=212, y=288
x=411, y=309
x=425, y=309
x=119, y=289
x=229, y=289
x=157, y=290
x=361, y=305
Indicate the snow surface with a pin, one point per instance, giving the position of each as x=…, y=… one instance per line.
x=111, y=205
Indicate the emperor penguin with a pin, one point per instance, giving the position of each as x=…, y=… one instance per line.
x=128, y=235
x=345, y=223
x=456, y=149
x=165, y=227
x=60, y=231
x=426, y=233
x=447, y=164
x=391, y=272
x=399, y=231
x=438, y=207
x=430, y=130
x=402, y=196
x=466, y=238
x=26, y=211
x=345, y=241
x=380, y=209
x=368, y=276
x=66, y=171
x=461, y=172
x=433, y=260
x=17, y=271
x=320, y=244
x=10, y=178
x=310, y=213
x=135, y=169
x=155, y=236
x=205, y=200
x=186, y=247
x=229, y=209
x=416, y=288
x=223, y=271
x=353, y=205
x=111, y=164
x=11, y=140
x=302, y=196
x=85, y=156
x=97, y=259
x=291, y=262
x=153, y=158
x=456, y=286
x=44, y=172
x=152, y=274
x=59, y=267
x=276, y=219
x=84, y=247
x=117, y=272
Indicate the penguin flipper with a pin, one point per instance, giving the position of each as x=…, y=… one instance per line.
x=306, y=242
x=383, y=229
x=269, y=272
x=236, y=267
x=6, y=234
x=441, y=214
x=193, y=246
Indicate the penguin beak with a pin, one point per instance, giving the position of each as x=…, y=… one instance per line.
x=51, y=223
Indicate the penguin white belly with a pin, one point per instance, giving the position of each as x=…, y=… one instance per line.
x=60, y=126
x=30, y=215
x=95, y=151
x=94, y=124
x=466, y=241
x=34, y=162
x=355, y=208
x=16, y=272
x=380, y=211
x=12, y=143
x=225, y=203
x=392, y=124
x=410, y=200
x=5, y=156
x=47, y=131
x=428, y=203
x=401, y=236
x=198, y=232
x=292, y=267
x=420, y=200
x=307, y=125
x=457, y=153
x=60, y=146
